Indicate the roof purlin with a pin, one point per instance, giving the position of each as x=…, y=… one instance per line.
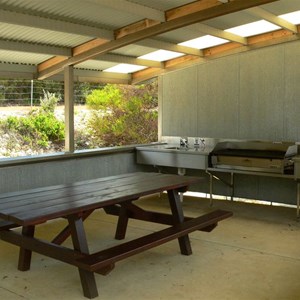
x=173, y=24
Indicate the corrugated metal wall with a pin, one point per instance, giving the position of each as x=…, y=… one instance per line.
x=251, y=95
x=22, y=177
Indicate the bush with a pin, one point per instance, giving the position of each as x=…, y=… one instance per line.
x=48, y=102
x=123, y=115
x=40, y=129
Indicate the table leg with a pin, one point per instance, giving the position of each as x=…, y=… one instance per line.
x=25, y=254
x=65, y=233
x=298, y=200
x=177, y=213
x=122, y=223
x=87, y=278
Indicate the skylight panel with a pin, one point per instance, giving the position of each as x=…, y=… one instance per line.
x=203, y=42
x=293, y=17
x=124, y=68
x=161, y=55
x=253, y=28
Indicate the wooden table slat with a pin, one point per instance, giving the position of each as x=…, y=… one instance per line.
x=51, y=190
x=39, y=209
x=68, y=191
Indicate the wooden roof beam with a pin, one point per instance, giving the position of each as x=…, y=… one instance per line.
x=255, y=42
x=135, y=27
x=190, y=8
x=178, y=22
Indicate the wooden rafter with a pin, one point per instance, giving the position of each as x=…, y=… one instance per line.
x=185, y=10
x=132, y=28
x=88, y=45
x=177, y=20
x=254, y=42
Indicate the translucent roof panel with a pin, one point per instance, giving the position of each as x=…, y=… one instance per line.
x=161, y=55
x=293, y=17
x=124, y=68
x=253, y=28
x=204, y=42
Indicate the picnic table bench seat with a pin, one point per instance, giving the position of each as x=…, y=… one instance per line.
x=109, y=257
x=75, y=202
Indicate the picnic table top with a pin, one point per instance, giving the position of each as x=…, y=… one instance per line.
x=35, y=206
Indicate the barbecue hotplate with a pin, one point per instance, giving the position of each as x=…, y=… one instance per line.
x=251, y=153
x=254, y=156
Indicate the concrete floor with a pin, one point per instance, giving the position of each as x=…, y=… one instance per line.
x=253, y=255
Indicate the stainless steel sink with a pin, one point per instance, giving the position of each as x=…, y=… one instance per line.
x=181, y=149
x=174, y=148
x=173, y=156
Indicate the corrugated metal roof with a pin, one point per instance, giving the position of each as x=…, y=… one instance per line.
x=26, y=58
x=38, y=30
x=40, y=36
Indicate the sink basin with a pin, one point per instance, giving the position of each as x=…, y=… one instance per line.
x=181, y=148
x=174, y=148
x=173, y=156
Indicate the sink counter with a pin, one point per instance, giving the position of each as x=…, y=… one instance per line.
x=173, y=156
x=173, y=148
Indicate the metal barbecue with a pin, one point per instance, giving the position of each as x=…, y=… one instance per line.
x=259, y=156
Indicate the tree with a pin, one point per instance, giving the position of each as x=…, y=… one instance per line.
x=123, y=115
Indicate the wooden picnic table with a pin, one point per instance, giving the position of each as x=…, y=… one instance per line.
x=76, y=201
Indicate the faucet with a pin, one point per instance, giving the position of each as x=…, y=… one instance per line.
x=196, y=144
x=202, y=144
x=199, y=144
x=184, y=143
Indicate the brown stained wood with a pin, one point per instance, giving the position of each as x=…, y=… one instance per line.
x=66, y=232
x=25, y=254
x=80, y=244
x=274, y=35
x=4, y=225
x=146, y=74
x=17, y=199
x=88, y=45
x=106, y=257
x=122, y=223
x=190, y=8
x=51, y=62
x=135, y=212
x=178, y=219
x=37, y=208
x=135, y=27
x=222, y=49
x=254, y=42
x=115, y=194
x=157, y=29
x=183, y=60
x=40, y=246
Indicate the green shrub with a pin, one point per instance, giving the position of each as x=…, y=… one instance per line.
x=48, y=102
x=40, y=127
x=123, y=115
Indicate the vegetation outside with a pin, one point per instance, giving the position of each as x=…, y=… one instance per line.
x=117, y=115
